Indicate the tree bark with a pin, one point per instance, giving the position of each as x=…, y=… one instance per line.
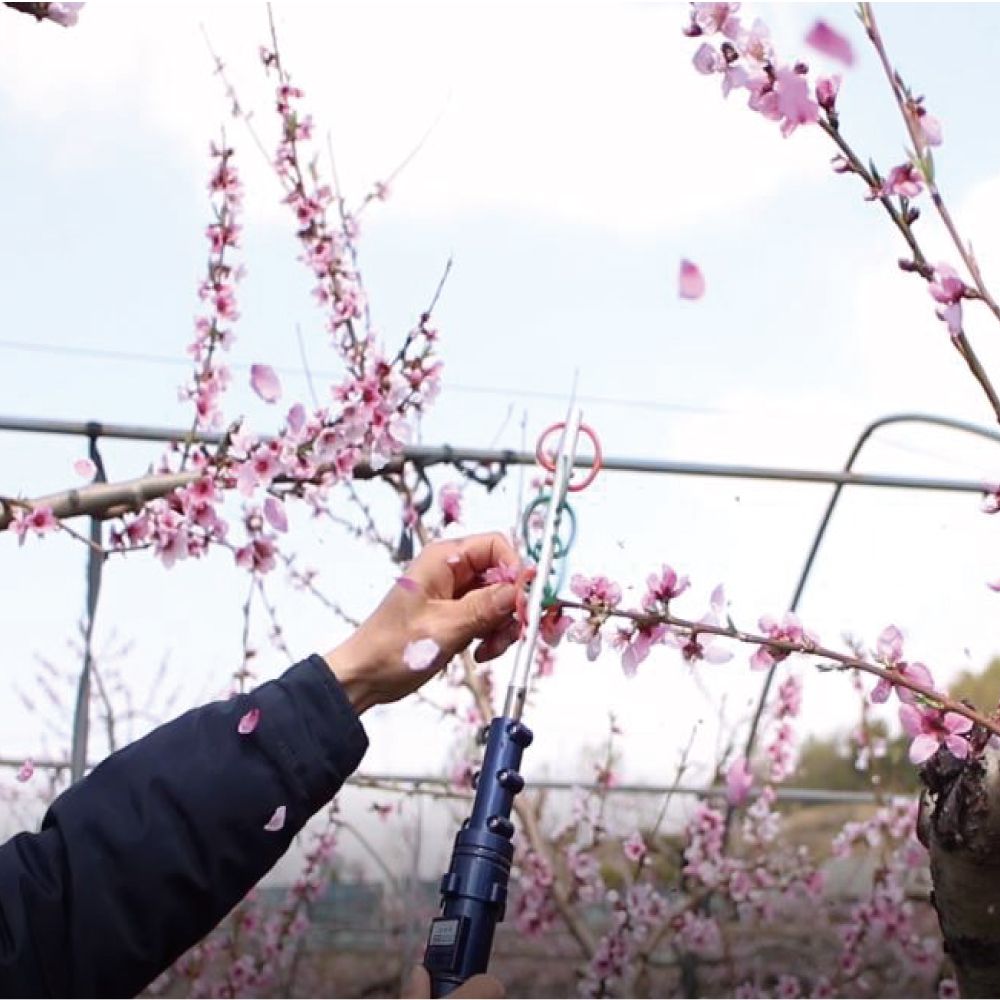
x=959, y=824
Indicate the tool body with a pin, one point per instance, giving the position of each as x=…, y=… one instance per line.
x=474, y=889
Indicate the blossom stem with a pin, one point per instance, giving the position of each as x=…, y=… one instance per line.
x=875, y=36
x=845, y=661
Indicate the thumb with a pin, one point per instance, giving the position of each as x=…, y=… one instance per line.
x=419, y=984
x=476, y=615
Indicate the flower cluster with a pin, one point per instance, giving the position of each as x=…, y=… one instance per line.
x=745, y=60
x=213, y=329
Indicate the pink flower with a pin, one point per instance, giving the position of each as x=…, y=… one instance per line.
x=948, y=289
x=890, y=645
x=450, y=499
x=930, y=727
x=794, y=104
x=915, y=672
x=827, y=89
x=248, y=722
x=904, y=180
x=691, y=282
x=789, y=629
x=698, y=646
x=598, y=590
x=40, y=520
x=831, y=43
x=587, y=632
x=708, y=59
x=926, y=127
x=66, y=14
x=553, y=625
x=26, y=770
x=634, y=847
x=739, y=781
x=708, y=18
x=420, y=654
x=265, y=382
x=257, y=556
x=663, y=588
x=277, y=820
x=636, y=644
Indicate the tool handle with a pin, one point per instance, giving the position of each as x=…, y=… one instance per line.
x=474, y=889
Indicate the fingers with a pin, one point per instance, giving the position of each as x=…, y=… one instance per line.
x=477, y=615
x=450, y=569
x=484, y=987
x=419, y=985
x=498, y=642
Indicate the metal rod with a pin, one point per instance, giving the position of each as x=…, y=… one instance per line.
x=445, y=454
x=698, y=791
x=518, y=687
x=863, y=438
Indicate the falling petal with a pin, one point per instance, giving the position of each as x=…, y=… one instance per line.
x=84, y=468
x=995, y=585
x=296, y=418
x=274, y=512
x=831, y=43
x=265, y=382
x=248, y=723
x=277, y=821
x=692, y=282
x=420, y=654
x=26, y=770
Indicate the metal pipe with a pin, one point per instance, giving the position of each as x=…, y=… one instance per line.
x=446, y=454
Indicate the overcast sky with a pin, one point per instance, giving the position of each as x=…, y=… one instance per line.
x=575, y=158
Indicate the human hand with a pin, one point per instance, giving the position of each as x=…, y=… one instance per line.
x=419, y=986
x=441, y=597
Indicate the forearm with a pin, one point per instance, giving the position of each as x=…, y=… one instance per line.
x=143, y=857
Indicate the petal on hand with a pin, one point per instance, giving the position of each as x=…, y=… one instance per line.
x=265, y=382
x=277, y=821
x=420, y=654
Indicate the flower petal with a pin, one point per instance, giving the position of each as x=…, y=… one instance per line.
x=691, y=282
x=831, y=43
x=248, y=722
x=274, y=512
x=958, y=746
x=26, y=770
x=265, y=382
x=85, y=468
x=277, y=820
x=922, y=748
x=420, y=654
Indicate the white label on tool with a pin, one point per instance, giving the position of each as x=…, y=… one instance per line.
x=443, y=933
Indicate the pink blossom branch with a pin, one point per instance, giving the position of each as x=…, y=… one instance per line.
x=806, y=648
x=905, y=104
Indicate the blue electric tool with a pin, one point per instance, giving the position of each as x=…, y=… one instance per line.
x=474, y=889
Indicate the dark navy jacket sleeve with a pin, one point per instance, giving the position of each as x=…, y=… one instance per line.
x=144, y=856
